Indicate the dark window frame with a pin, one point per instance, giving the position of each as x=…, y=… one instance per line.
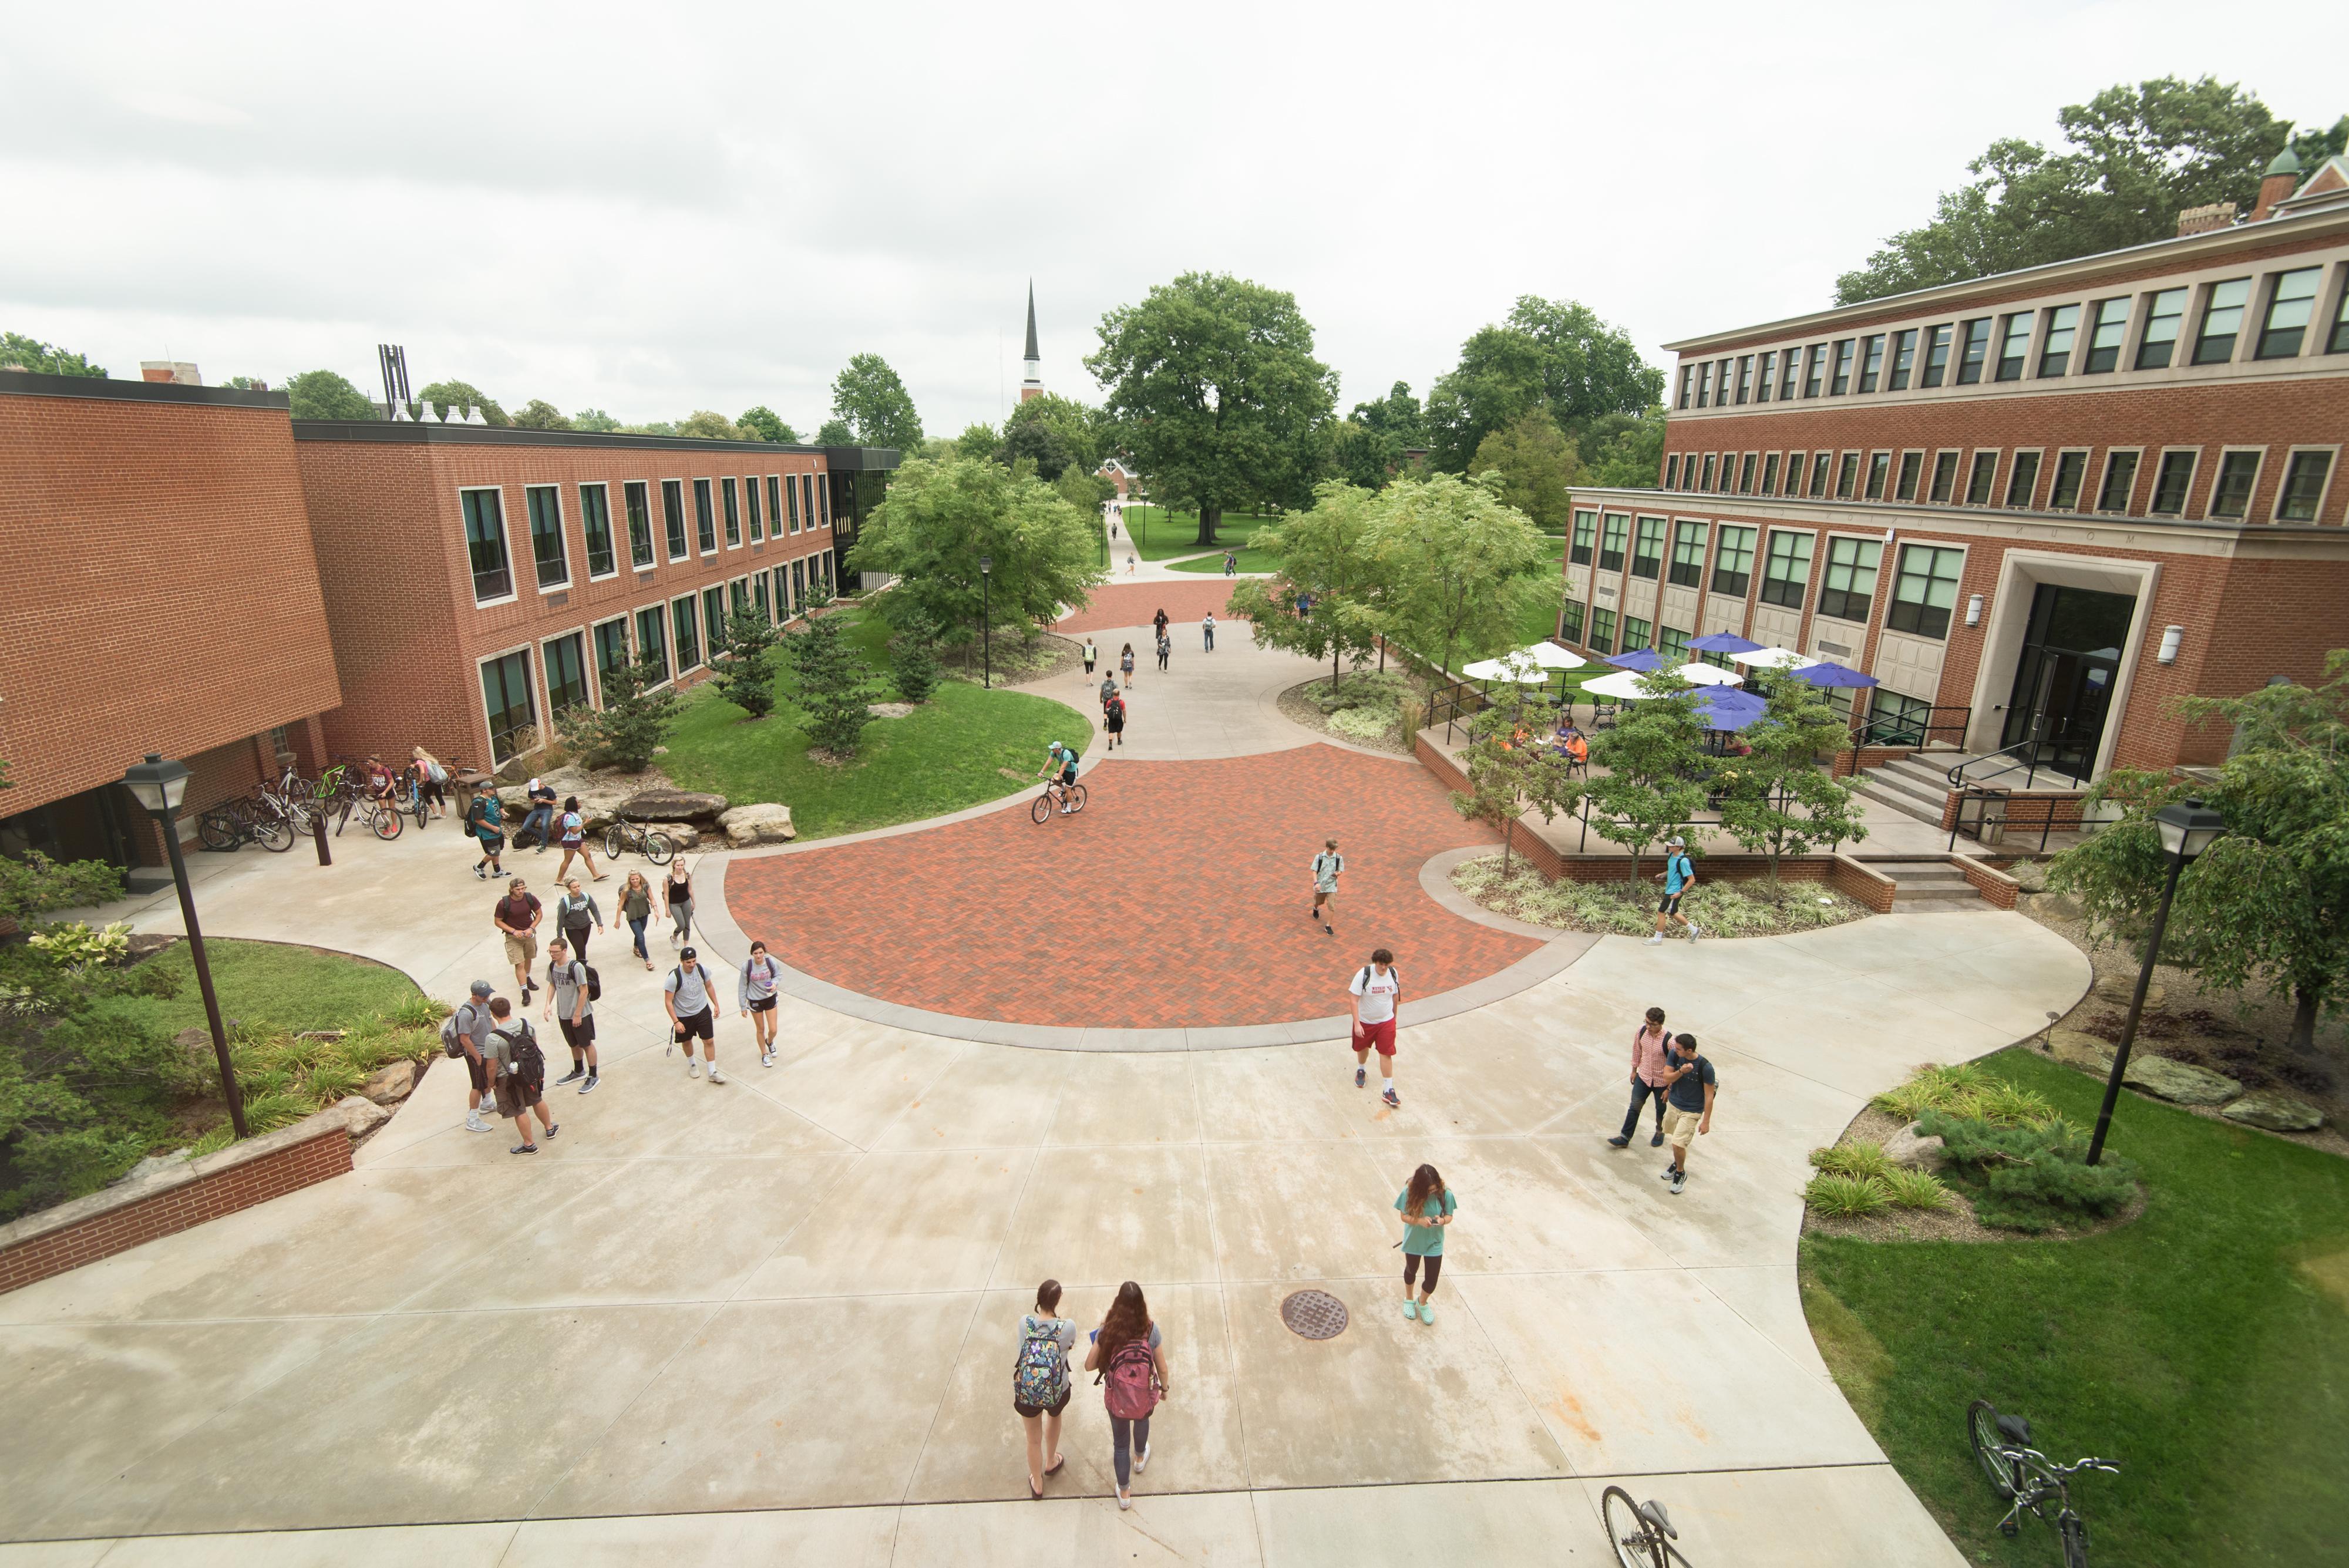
x=1648, y=531
x=675, y=533
x=1921, y=617
x=1904, y=359
x=2071, y=481
x=1982, y=477
x=2120, y=470
x=1944, y=489
x=684, y=633
x=576, y=643
x=1846, y=484
x=2301, y=496
x=2173, y=481
x=2107, y=327
x=1871, y=362
x=1602, y=630
x=493, y=580
x=1937, y=340
x=2014, y=344
x=1584, y=539
x=1913, y=473
x=550, y=552
x=1614, y=537
x=1689, y=541
x=1879, y=474
x=596, y=523
x=508, y=687
x=1843, y=594
x=1777, y=588
x=2157, y=348
x=1839, y=381
x=1736, y=542
x=2212, y=347
x=2055, y=348
x=1821, y=469
x=604, y=663
x=2279, y=336
x=636, y=494
x=1973, y=351
x=1769, y=474
x=2232, y=487
x=657, y=644
x=733, y=511
x=704, y=518
x=2023, y=478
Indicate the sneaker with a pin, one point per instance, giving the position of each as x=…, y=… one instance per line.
x=481, y=873
x=1410, y=1308
x=523, y=1149
x=1669, y=1174
x=1361, y=1077
x=715, y=1075
x=552, y=1130
x=474, y=1122
x=500, y=871
x=1657, y=1141
x=766, y=1058
x=1679, y=1181
x=1141, y=1461
x=1389, y=1096
x=1693, y=932
x=1123, y=1501
x=1328, y=931
x=572, y=1076
x=1618, y=1141
x=693, y=1066
x=1427, y=1312
x=1655, y=941
x=589, y=1086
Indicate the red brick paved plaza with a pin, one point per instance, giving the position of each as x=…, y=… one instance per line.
x=1120, y=605
x=1177, y=900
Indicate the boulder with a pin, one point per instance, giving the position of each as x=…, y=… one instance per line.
x=2180, y=1081
x=198, y=1041
x=2274, y=1110
x=2081, y=1049
x=358, y=1115
x=2030, y=875
x=391, y=1082
x=748, y=825
x=2118, y=988
x=1913, y=1148
x=150, y=1165
x=2057, y=906
x=673, y=805
x=680, y=835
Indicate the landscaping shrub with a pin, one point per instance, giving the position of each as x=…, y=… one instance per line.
x=1916, y=1188
x=1365, y=723
x=1861, y=1158
x=2031, y=1177
x=1847, y=1197
x=1760, y=907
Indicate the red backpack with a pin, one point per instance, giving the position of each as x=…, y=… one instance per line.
x=1132, y=1377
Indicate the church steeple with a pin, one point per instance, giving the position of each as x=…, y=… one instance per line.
x=1032, y=380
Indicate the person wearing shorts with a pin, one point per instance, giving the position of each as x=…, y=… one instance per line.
x=757, y=999
x=1113, y=717
x=472, y=1036
x=1426, y=1206
x=1326, y=868
x=1092, y=654
x=518, y=1094
x=485, y=822
x=1680, y=875
x=1687, y=1113
x=1045, y=1340
x=692, y=1004
x=568, y=1006
x=517, y=915
x=1374, y=994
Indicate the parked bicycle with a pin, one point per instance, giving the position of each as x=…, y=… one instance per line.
x=650, y=842
x=1640, y=1532
x=2034, y=1482
x=1075, y=801
x=234, y=823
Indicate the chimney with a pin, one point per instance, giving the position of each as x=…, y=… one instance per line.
x=2204, y=220
x=2283, y=177
x=174, y=370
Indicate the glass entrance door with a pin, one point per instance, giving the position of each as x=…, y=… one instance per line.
x=2064, y=682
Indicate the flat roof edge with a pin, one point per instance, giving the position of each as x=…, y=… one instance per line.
x=36, y=384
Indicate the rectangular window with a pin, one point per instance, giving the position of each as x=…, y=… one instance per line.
x=1586, y=535
x=652, y=641
x=1871, y=362
x=686, y=618
x=1744, y=375
x=2071, y=473
x=638, y=499
x=713, y=617
x=2105, y=334
x=1973, y=349
x=1687, y=384
x=1673, y=471
x=1687, y=556
x=485, y=545
x=1816, y=374
x=1925, y=590
x=783, y=593
x=1688, y=473
x=791, y=495
x=1848, y=476
x=2232, y=496
x=738, y=596
x=611, y=648
x=566, y=675
x=2022, y=479
x=1707, y=483
x=2303, y=486
x=1614, y=533
x=2120, y=480
x=1945, y=478
x=1602, y=631
x=2162, y=318
x=2286, y=327
x=1732, y=563
x=733, y=514
x=1704, y=384
x=1721, y=383
x=751, y=502
x=1763, y=377
x=704, y=518
x=2223, y=321
x=1789, y=375
x=2171, y=481
x=2062, y=325
x=1904, y=360
x=2338, y=342
x=1569, y=623
x=1647, y=551
x=546, y=551
x=807, y=497
x=506, y=699
x=1937, y=356
x=1879, y=469
x=1980, y=477
x=1636, y=633
x=1672, y=643
x=1850, y=581
x=673, y=516
x=1841, y=381
x=595, y=527
x=775, y=504
x=799, y=583
x=1770, y=474
x=1820, y=461
x=2014, y=346
x=1787, y=570
x=759, y=588
x=1912, y=465
x=1746, y=475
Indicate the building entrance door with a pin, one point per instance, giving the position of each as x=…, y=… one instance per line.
x=2064, y=682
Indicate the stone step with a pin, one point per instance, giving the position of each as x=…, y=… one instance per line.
x=1906, y=803
x=1909, y=898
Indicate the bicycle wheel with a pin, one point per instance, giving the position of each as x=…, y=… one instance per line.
x=1632, y=1536
x=420, y=812
x=1982, y=1427
x=1041, y=812
x=1076, y=797
x=386, y=822
x=2075, y=1533
x=272, y=833
x=657, y=849
x=216, y=830
x=612, y=842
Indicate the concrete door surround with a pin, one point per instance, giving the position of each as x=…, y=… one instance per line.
x=2020, y=574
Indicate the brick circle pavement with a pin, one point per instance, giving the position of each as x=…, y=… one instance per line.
x=1177, y=900
x=1121, y=605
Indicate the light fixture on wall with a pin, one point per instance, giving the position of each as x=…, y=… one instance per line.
x=2171, y=635
x=1973, y=609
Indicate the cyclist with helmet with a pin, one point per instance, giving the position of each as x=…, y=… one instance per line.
x=1061, y=762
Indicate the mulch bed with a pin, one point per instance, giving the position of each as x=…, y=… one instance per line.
x=1297, y=707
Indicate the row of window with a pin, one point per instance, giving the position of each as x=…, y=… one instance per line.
x=1925, y=585
x=1873, y=476
x=775, y=504
x=675, y=635
x=2145, y=331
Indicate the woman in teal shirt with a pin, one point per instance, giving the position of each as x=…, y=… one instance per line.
x=1426, y=1207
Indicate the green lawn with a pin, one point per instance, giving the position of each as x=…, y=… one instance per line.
x=942, y=757
x=293, y=988
x=1157, y=532
x=1251, y=560
x=2204, y=1347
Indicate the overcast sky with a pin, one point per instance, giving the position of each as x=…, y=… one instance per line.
x=652, y=209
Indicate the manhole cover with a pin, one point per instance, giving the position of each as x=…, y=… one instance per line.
x=1316, y=1314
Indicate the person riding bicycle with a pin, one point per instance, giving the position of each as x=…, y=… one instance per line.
x=1062, y=762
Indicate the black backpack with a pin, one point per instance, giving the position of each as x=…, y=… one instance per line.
x=595, y=980
x=529, y=1061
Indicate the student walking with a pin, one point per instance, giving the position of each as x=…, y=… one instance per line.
x=574, y=915
x=1131, y=1360
x=1689, y=1116
x=1108, y=689
x=677, y=897
x=1426, y=1206
x=1113, y=717
x=1158, y=623
x=1125, y=663
x=1165, y=646
x=569, y=981
x=1650, y=1074
x=465, y=1033
x=1680, y=875
x=1373, y=995
x=1040, y=1385
x=636, y=908
x=1207, y=632
x=1326, y=868
x=432, y=778
x=571, y=829
x=485, y=821
x=521, y=1081
x=1231, y=562
x=756, y=997
x=517, y=915
x=1091, y=653
x=692, y=1004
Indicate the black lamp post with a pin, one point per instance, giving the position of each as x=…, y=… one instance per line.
x=159, y=786
x=2187, y=827
x=986, y=623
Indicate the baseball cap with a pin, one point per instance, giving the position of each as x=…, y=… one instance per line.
x=481, y=988
x=689, y=954
x=1680, y=843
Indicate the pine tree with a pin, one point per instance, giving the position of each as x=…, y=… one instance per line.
x=746, y=668
x=914, y=660
x=835, y=685
x=632, y=723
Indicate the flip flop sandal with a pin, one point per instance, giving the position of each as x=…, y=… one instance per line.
x=1058, y=1465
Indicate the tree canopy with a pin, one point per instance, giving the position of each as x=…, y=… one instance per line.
x=1218, y=395
x=2133, y=159
x=835, y=432
x=1055, y=433
x=1537, y=465
x=324, y=395
x=708, y=424
x=593, y=419
x=1548, y=354
x=1331, y=553
x=872, y=402
x=1624, y=452
x=767, y=425
x=1464, y=568
x=538, y=414
x=47, y=358
x=1648, y=774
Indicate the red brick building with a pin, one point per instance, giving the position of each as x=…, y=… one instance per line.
x=162, y=596
x=482, y=579
x=2036, y=506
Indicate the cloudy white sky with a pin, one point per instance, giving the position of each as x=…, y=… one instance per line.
x=655, y=209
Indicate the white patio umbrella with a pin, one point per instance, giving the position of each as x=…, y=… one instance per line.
x=1706, y=675
x=1774, y=658
x=1550, y=656
x=1623, y=686
x=1509, y=667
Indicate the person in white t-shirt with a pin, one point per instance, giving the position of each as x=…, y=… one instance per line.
x=1374, y=992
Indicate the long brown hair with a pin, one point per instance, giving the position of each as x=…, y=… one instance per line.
x=1424, y=1184
x=1128, y=1318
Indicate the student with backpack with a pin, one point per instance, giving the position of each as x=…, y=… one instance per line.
x=1113, y=717
x=575, y=914
x=692, y=1004
x=1040, y=1385
x=1326, y=865
x=1426, y=1206
x=1373, y=995
x=1680, y=875
x=463, y=1033
x=571, y=832
x=572, y=988
x=756, y=997
x=520, y=1069
x=485, y=823
x=432, y=780
x=1131, y=1363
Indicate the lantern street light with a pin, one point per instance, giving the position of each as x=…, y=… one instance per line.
x=986, y=623
x=160, y=787
x=2186, y=827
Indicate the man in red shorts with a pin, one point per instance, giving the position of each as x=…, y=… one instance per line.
x=1373, y=997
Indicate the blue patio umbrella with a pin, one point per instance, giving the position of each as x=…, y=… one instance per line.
x=1721, y=642
x=1727, y=708
x=1639, y=658
x=1829, y=673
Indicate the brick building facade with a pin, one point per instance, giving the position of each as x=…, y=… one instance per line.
x=2037, y=506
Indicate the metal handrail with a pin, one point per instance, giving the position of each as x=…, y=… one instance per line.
x=2030, y=754
x=1880, y=730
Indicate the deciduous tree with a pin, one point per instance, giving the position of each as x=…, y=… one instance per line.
x=538, y=414
x=593, y=419
x=834, y=432
x=874, y=403
x=1462, y=568
x=443, y=396
x=47, y=358
x=1509, y=774
x=1649, y=774
x=1778, y=801
x=632, y=724
x=1537, y=464
x=1624, y=452
x=767, y=426
x=324, y=395
x=1548, y=354
x=1329, y=555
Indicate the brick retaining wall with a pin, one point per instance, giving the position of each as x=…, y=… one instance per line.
x=1995, y=886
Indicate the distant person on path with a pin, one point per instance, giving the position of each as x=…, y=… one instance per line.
x=1091, y=653
x=1207, y=630
x=1113, y=717
x=1108, y=690
x=541, y=817
x=575, y=914
x=520, y=1074
x=468, y=1029
x=1373, y=995
x=432, y=778
x=1129, y=1355
x=485, y=820
x=567, y=1004
x=756, y=997
x=1158, y=623
x=1128, y=563
x=636, y=908
x=1426, y=1206
x=677, y=897
x=1326, y=865
x=1125, y=663
x=1650, y=1073
x=1693, y=1088
x=1680, y=875
x=571, y=828
x=1304, y=606
x=1231, y=562
x=1040, y=1385
x=517, y=915
x=1165, y=646
x=692, y=1004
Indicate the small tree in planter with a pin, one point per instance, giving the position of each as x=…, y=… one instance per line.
x=914, y=660
x=1656, y=769
x=835, y=685
x=746, y=670
x=1509, y=772
x=1778, y=801
x=632, y=723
